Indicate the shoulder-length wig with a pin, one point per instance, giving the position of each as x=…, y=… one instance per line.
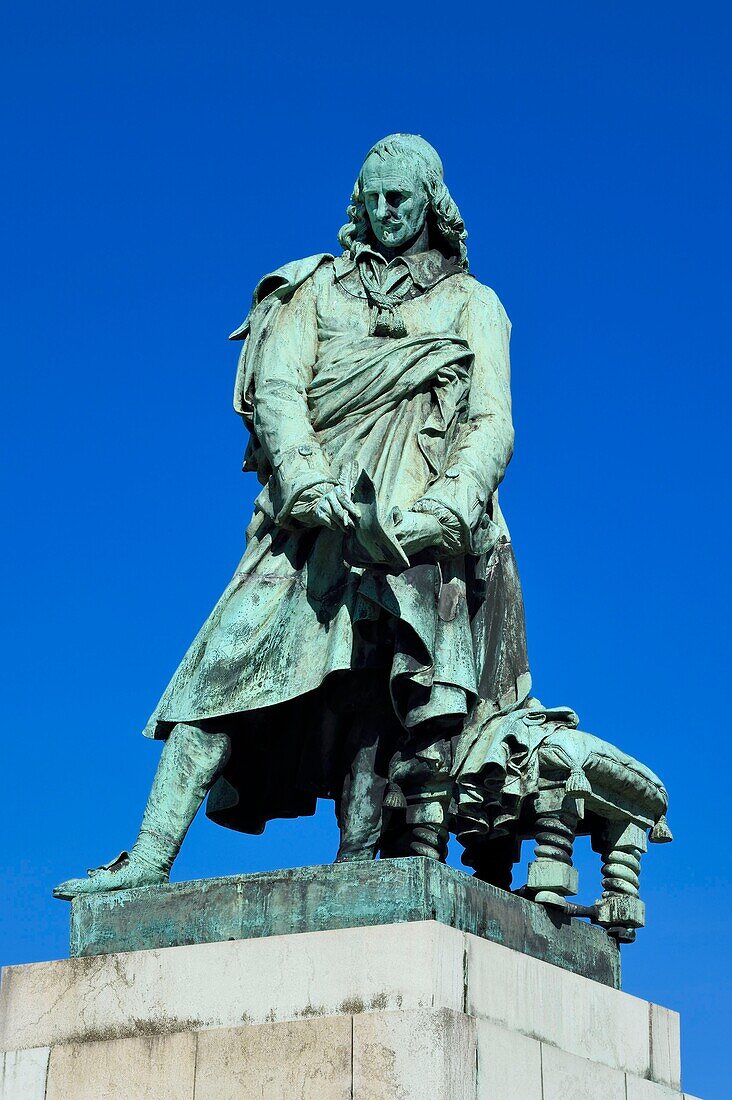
x=446, y=227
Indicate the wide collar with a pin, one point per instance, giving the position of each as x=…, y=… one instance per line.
x=425, y=268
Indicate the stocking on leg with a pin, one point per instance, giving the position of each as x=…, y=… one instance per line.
x=191, y=761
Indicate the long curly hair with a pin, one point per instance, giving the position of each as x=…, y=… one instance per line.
x=446, y=227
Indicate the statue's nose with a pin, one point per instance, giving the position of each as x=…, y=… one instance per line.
x=381, y=207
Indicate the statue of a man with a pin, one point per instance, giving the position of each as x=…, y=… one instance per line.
x=377, y=611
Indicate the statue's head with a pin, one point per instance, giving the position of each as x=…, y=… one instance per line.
x=400, y=188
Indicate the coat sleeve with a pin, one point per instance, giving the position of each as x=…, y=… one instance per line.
x=281, y=375
x=478, y=458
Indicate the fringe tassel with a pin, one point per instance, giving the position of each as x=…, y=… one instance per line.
x=578, y=783
x=394, y=799
x=660, y=833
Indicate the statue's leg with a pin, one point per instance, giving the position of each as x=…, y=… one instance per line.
x=360, y=807
x=371, y=726
x=191, y=760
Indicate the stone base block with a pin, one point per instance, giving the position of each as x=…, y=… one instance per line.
x=418, y=1011
x=345, y=895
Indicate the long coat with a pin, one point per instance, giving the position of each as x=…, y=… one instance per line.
x=410, y=383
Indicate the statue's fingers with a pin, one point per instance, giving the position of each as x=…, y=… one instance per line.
x=340, y=515
x=322, y=513
x=336, y=517
x=344, y=499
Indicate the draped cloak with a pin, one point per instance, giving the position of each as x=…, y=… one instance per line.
x=427, y=416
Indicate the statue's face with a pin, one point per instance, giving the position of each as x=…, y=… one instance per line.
x=395, y=199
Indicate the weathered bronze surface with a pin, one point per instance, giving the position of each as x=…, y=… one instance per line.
x=370, y=648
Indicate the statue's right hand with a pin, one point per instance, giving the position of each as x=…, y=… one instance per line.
x=336, y=510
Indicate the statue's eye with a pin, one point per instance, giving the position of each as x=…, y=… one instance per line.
x=394, y=198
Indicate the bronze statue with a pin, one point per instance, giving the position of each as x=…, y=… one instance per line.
x=372, y=637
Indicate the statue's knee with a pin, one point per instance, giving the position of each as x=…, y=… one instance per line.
x=206, y=744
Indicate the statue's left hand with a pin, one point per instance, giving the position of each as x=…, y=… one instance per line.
x=336, y=510
x=326, y=505
x=418, y=531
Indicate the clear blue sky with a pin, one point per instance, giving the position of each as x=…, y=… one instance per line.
x=158, y=159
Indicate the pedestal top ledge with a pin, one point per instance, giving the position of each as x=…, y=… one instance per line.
x=342, y=895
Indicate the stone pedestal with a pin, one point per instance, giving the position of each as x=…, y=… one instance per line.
x=338, y=895
x=417, y=1009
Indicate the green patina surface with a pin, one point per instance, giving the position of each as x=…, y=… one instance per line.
x=346, y=895
x=370, y=647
